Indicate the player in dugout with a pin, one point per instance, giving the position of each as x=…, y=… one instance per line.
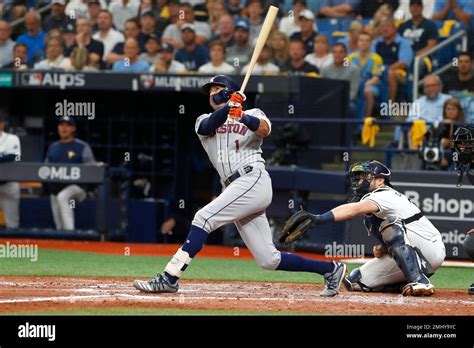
x=10, y=150
x=68, y=149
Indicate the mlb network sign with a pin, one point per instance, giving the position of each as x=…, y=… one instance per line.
x=59, y=173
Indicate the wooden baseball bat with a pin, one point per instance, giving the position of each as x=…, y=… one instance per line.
x=261, y=39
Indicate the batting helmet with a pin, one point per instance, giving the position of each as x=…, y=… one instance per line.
x=224, y=81
x=469, y=245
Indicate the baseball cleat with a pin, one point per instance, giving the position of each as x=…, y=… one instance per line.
x=418, y=289
x=333, y=280
x=470, y=291
x=160, y=284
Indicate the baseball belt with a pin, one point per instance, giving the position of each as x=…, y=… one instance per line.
x=242, y=171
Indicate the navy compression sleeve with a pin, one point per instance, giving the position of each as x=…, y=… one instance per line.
x=251, y=121
x=211, y=123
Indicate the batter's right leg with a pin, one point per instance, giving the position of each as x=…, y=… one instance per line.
x=56, y=214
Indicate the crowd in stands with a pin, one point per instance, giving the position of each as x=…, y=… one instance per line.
x=375, y=53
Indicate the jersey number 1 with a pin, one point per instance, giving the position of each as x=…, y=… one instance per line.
x=237, y=145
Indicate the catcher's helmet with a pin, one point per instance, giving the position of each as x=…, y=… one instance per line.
x=360, y=170
x=221, y=80
x=463, y=142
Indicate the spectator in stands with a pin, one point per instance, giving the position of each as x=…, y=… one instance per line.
x=68, y=35
x=340, y=71
x=34, y=38
x=421, y=32
x=172, y=34
x=385, y=11
x=430, y=106
x=132, y=30
x=452, y=113
x=57, y=18
x=217, y=65
x=152, y=50
x=79, y=8
x=368, y=8
x=18, y=12
x=239, y=54
x=403, y=11
x=144, y=6
x=169, y=15
x=264, y=65
x=93, y=9
x=10, y=151
x=80, y=60
x=396, y=53
x=192, y=55
x=54, y=56
x=254, y=10
x=84, y=39
x=6, y=44
x=147, y=26
x=216, y=10
x=131, y=63
x=352, y=40
x=290, y=23
x=370, y=65
x=460, y=10
x=166, y=63
x=338, y=8
x=321, y=55
x=280, y=45
x=67, y=149
x=297, y=64
x=307, y=33
x=233, y=7
x=162, y=8
x=226, y=29
x=107, y=34
x=20, y=52
x=463, y=79
x=122, y=10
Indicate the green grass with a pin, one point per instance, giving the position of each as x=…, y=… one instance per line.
x=82, y=264
x=152, y=311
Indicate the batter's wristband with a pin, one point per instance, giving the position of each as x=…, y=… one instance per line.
x=250, y=121
x=324, y=218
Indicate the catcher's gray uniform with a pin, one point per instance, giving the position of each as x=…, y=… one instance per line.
x=10, y=191
x=235, y=148
x=420, y=234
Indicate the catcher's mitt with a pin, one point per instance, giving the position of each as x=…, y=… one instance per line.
x=296, y=226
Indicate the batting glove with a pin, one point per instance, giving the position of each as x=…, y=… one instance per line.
x=238, y=97
x=235, y=110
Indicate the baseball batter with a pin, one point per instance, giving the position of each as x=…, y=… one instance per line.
x=410, y=248
x=10, y=150
x=232, y=139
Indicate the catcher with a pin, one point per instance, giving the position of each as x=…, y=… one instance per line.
x=410, y=248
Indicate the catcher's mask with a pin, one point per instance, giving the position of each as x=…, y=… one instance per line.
x=463, y=144
x=224, y=95
x=361, y=175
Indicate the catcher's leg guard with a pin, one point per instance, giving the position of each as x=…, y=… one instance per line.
x=404, y=255
x=352, y=282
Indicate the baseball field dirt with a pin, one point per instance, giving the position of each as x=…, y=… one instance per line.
x=96, y=278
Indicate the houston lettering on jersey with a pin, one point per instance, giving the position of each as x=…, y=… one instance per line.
x=235, y=128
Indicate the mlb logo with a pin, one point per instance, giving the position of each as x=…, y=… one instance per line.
x=35, y=79
x=147, y=80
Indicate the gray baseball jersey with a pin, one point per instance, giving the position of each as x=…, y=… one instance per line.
x=233, y=145
x=243, y=202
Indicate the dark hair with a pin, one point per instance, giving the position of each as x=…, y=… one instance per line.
x=57, y=38
x=457, y=104
x=297, y=40
x=340, y=44
x=249, y=2
x=19, y=45
x=465, y=54
x=133, y=20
